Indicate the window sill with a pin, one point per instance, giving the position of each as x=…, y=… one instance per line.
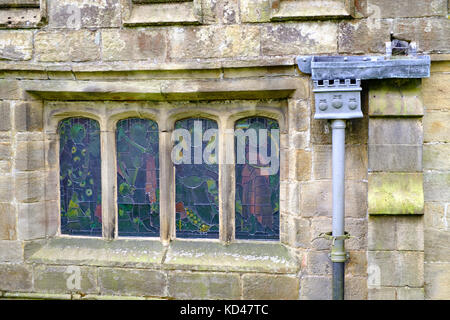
x=179, y=255
x=23, y=14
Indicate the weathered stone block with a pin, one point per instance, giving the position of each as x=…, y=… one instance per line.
x=356, y=132
x=437, y=281
x=298, y=232
x=6, y=188
x=394, y=97
x=318, y=263
x=435, y=126
x=299, y=115
x=398, y=268
x=15, y=277
x=168, y=13
x=30, y=186
x=11, y=251
x=356, y=264
x=358, y=229
x=267, y=287
x=184, y=285
x=76, y=14
x=120, y=253
x=255, y=10
x=410, y=233
x=214, y=42
x=355, y=288
x=435, y=156
x=5, y=116
x=10, y=90
x=51, y=156
x=75, y=46
x=264, y=257
x=382, y=293
x=7, y=221
x=309, y=9
x=316, y=199
x=396, y=193
x=16, y=45
x=363, y=36
x=28, y=116
x=31, y=220
x=431, y=34
x=320, y=225
x=395, y=131
x=62, y=279
x=355, y=162
x=30, y=155
x=436, y=95
x=436, y=215
x=303, y=165
x=5, y=151
x=436, y=186
x=51, y=185
x=407, y=8
x=315, y=288
x=437, y=243
x=381, y=235
x=395, y=158
x=131, y=44
x=299, y=38
x=299, y=140
x=407, y=293
x=138, y=282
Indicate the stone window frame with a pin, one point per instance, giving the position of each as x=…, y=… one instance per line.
x=23, y=14
x=161, y=12
x=165, y=118
x=281, y=10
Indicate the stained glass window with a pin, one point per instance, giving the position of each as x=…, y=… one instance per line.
x=196, y=178
x=257, y=179
x=138, y=177
x=80, y=177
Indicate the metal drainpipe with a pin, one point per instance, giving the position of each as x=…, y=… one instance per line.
x=338, y=101
x=338, y=255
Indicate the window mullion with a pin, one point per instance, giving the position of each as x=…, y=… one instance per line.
x=226, y=183
x=167, y=187
x=108, y=165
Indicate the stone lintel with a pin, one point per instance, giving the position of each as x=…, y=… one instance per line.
x=157, y=90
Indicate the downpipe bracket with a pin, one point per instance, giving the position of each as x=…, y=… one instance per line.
x=338, y=253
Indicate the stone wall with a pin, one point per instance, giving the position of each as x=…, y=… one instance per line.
x=112, y=58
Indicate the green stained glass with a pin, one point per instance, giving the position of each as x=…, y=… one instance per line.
x=258, y=189
x=138, y=177
x=80, y=177
x=197, y=197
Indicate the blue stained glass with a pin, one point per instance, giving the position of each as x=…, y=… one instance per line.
x=197, y=202
x=257, y=195
x=138, y=177
x=80, y=177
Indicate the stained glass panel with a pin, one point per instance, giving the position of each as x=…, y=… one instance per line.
x=197, y=181
x=257, y=187
x=80, y=177
x=138, y=177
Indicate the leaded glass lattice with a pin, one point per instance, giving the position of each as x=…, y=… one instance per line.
x=138, y=177
x=197, y=202
x=257, y=195
x=80, y=177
